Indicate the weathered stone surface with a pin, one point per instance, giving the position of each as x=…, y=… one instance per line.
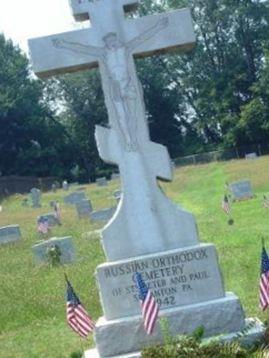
x=51, y=217
x=35, y=196
x=74, y=198
x=103, y=215
x=9, y=234
x=220, y=316
x=251, y=156
x=115, y=176
x=84, y=208
x=253, y=335
x=65, y=185
x=176, y=278
x=101, y=181
x=65, y=245
x=241, y=190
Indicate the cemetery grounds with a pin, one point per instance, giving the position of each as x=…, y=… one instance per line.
x=32, y=299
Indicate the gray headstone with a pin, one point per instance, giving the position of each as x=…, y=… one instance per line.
x=103, y=215
x=115, y=176
x=74, y=198
x=35, y=195
x=251, y=156
x=241, y=190
x=9, y=234
x=54, y=187
x=101, y=181
x=65, y=185
x=51, y=217
x=65, y=245
x=84, y=208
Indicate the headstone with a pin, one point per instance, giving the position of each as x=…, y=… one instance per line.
x=65, y=185
x=35, y=195
x=241, y=190
x=148, y=233
x=65, y=245
x=51, y=217
x=54, y=188
x=74, y=198
x=117, y=195
x=103, y=215
x=251, y=156
x=101, y=181
x=9, y=234
x=84, y=208
x=52, y=204
x=115, y=176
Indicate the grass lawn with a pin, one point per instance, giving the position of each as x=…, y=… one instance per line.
x=32, y=302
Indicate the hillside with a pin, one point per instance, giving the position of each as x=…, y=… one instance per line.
x=32, y=302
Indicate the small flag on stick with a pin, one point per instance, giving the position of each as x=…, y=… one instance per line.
x=265, y=203
x=227, y=208
x=77, y=317
x=264, y=280
x=43, y=225
x=149, y=306
x=57, y=212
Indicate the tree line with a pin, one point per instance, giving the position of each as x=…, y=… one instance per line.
x=216, y=96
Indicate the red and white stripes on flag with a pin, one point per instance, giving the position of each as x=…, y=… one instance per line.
x=225, y=205
x=264, y=281
x=77, y=317
x=149, y=307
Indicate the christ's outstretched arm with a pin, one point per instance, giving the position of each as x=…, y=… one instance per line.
x=149, y=33
x=77, y=47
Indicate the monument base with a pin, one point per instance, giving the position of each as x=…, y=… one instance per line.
x=218, y=316
x=252, y=335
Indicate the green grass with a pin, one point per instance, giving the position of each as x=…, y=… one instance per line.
x=32, y=303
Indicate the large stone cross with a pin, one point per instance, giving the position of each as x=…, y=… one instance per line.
x=145, y=221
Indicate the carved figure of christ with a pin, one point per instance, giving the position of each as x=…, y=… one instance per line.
x=116, y=58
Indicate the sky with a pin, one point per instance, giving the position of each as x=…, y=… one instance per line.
x=24, y=19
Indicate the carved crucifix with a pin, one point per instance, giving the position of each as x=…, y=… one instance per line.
x=145, y=221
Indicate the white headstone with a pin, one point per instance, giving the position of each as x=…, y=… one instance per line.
x=251, y=156
x=65, y=185
x=147, y=232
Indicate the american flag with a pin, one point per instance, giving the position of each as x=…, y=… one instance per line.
x=43, y=225
x=77, y=317
x=225, y=205
x=265, y=202
x=149, y=306
x=57, y=212
x=264, y=280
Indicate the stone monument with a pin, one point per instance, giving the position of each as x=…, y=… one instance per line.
x=241, y=190
x=84, y=208
x=9, y=234
x=147, y=233
x=35, y=195
x=74, y=198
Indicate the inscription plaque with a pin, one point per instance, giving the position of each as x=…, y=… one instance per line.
x=176, y=278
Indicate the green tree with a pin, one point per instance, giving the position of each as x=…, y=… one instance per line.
x=31, y=140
